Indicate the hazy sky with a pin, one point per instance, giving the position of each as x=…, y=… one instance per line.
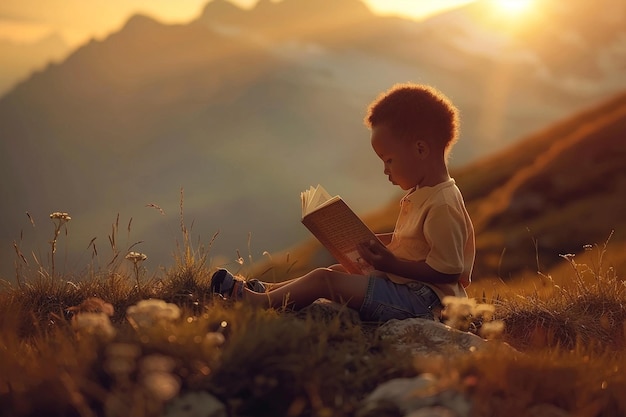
x=79, y=20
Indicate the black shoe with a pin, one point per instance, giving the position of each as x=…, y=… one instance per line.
x=222, y=283
x=255, y=285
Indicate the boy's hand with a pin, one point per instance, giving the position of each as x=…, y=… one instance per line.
x=377, y=255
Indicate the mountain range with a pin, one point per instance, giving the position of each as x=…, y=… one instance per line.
x=17, y=59
x=243, y=109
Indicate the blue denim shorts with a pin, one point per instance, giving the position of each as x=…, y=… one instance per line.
x=386, y=300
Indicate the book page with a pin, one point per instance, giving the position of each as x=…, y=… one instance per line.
x=340, y=230
x=313, y=198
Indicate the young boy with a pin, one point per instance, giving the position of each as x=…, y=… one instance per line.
x=430, y=253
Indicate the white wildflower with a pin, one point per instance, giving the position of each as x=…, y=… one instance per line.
x=464, y=313
x=93, y=305
x=61, y=216
x=458, y=312
x=146, y=313
x=157, y=363
x=492, y=329
x=97, y=324
x=162, y=385
x=121, y=358
x=485, y=311
x=156, y=377
x=136, y=257
x=213, y=340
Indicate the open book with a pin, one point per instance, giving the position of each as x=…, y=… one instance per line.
x=337, y=227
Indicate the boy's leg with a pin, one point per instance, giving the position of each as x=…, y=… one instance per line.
x=269, y=286
x=274, y=285
x=319, y=283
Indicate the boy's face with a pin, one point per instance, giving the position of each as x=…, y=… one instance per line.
x=403, y=159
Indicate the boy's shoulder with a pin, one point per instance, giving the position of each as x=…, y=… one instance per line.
x=443, y=187
x=444, y=193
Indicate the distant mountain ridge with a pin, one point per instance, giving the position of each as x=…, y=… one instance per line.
x=286, y=19
x=18, y=58
x=245, y=108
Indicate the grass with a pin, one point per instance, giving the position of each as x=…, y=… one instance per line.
x=568, y=335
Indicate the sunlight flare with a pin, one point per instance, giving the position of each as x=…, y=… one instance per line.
x=511, y=16
x=512, y=7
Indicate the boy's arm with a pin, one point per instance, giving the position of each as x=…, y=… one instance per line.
x=382, y=259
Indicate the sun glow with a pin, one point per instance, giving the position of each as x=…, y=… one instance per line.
x=510, y=16
x=512, y=7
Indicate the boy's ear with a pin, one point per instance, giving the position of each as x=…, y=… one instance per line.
x=422, y=148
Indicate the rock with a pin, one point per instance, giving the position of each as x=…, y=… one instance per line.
x=380, y=408
x=415, y=397
x=327, y=310
x=427, y=337
x=196, y=404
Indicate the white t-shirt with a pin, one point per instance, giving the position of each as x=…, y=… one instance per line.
x=434, y=226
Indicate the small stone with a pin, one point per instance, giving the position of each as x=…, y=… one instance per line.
x=410, y=395
x=196, y=404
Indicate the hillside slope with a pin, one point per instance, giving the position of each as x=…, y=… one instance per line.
x=565, y=189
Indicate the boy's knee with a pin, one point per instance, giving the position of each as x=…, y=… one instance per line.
x=321, y=274
x=337, y=267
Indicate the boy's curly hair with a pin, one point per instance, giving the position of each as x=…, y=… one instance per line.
x=416, y=111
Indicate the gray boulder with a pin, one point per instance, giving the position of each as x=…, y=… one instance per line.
x=196, y=404
x=415, y=397
x=428, y=337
